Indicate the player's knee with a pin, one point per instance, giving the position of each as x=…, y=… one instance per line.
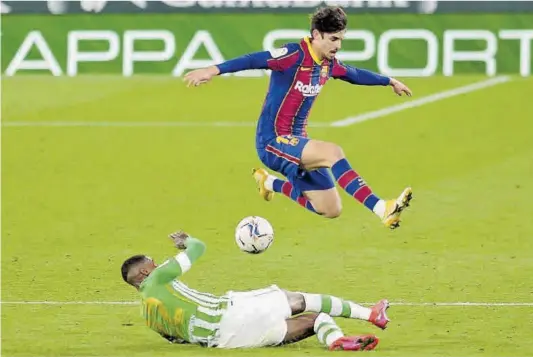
x=338, y=153
x=331, y=210
x=335, y=153
x=296, y=302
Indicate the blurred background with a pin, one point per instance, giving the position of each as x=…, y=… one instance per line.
x=105, y=152
x=402, y=38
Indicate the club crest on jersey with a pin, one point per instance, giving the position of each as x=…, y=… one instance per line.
x=324, y=71
x=308, y=90
x=287, y=140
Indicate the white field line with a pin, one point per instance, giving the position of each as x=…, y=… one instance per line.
x=232, y=124
x=489, y=304
x=421, y=101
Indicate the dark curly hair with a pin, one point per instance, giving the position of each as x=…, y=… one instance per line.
x=329, y=19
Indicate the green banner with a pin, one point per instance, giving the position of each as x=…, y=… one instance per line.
x=57, y=7
x=171, y=44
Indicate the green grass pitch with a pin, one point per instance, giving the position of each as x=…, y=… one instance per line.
x=78, y=200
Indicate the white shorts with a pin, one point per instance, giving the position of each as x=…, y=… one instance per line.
x=254, y=319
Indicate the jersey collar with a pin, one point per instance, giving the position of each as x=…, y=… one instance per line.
x=311, y=52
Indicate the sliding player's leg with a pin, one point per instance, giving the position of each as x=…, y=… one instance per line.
x=254, y=319
x=299, y=328
x=331, y=335
x=301, y=302
x=265, y=317
x=328, y=333
x=320, y=154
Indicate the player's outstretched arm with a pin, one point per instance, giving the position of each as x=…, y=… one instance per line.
x=183, y=261
x=365, y=77
x=257, y=60
x=277, y=60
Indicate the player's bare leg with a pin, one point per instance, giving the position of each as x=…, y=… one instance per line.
x=338, y=307
x=299, y=328
x=327, y=202
x=319, y=154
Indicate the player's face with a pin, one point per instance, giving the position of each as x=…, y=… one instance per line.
x=330, y=43
x=147, y=267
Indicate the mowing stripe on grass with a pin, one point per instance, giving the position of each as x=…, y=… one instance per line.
x=233, y=124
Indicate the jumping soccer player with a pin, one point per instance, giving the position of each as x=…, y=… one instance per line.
x=299, y=71
x=256, y=318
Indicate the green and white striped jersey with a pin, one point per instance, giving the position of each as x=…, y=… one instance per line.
x=174, y=310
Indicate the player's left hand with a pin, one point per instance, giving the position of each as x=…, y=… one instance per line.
x=400, y=88
x=179, y=239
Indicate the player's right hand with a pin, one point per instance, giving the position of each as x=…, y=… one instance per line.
x=179, y=239
x=399, y=88
x=201, y=76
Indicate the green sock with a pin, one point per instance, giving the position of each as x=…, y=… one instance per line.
x=334, y=306
x=327, y=330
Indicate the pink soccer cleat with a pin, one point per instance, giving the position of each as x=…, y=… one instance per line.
x=355, y=343
x=378, y=316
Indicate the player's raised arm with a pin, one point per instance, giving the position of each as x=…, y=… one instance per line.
x=278, y=59
x=365, y=77
x=182, y=262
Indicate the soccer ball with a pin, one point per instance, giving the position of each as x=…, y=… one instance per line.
x=254, y=235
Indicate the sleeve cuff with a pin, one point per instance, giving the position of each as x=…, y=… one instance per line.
x=184, y=262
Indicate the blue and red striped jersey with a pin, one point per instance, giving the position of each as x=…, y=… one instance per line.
x=296, y=79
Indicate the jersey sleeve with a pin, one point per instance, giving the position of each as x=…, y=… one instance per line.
x=278, y=59
x=358, y=76
x=181, y=263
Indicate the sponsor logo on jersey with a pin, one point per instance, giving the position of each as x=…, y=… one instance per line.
x=308, y=90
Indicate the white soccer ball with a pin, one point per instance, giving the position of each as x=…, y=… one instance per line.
x=254, y=235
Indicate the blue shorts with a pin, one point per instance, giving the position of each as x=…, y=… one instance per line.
x=283, y=155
